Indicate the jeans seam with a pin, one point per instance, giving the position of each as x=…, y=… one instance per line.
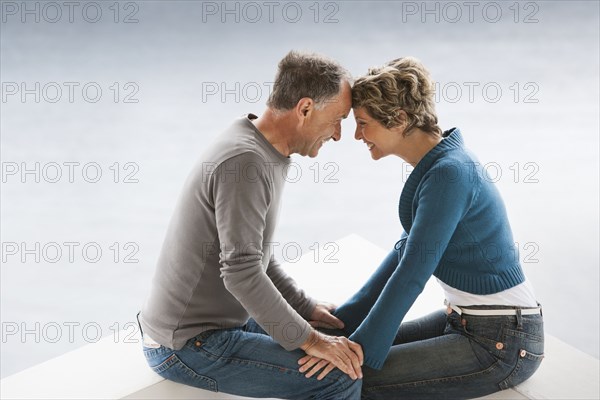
x=523, y=335
x=274, y=367
x=489, y=344
x=242, y=361
x=506, y=382
x=486, y=371
x=157, y=352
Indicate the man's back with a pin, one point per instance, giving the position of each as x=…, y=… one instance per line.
x=219, y=243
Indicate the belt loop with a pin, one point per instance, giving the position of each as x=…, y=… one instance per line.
x=457, y=309
x=519, y=319
x=399, y=244
x=137, y=316
x=452, y=307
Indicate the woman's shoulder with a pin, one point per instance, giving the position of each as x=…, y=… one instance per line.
x=456, y=165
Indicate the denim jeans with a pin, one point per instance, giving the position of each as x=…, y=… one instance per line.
x=246, y=361
x=443, y=356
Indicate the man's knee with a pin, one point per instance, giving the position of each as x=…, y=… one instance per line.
x=344, y=387
x=354, y=388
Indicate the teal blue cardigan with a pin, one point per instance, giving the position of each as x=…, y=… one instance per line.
x=455, y=228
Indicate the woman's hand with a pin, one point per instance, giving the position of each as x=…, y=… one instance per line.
x=337, y=350
x=322, y=317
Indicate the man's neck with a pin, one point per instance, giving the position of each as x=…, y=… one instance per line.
x=276, y=128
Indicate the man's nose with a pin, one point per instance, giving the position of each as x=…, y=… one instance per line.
x=337, y=135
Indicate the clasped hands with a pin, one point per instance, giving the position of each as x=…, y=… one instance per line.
x=324, y=352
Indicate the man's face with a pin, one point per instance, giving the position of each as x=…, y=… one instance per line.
x=326, y=123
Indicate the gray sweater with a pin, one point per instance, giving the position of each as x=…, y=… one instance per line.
x=216, y=268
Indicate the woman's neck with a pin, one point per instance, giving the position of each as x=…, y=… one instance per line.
x=416, y=145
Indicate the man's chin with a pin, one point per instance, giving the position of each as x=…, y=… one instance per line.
x=310, y=154
x=314, y=151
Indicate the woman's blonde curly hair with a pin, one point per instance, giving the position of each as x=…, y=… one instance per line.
x=400, y=85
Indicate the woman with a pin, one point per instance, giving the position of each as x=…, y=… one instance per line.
x=490, y=337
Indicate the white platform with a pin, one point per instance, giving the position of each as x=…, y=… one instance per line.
x=109, y=370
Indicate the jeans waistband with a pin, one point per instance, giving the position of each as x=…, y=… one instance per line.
x=493, y=310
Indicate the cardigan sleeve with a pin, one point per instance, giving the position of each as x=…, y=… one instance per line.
x=356, y=309
x=441, y=203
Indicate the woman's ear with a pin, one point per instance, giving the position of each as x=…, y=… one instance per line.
x=402, y=119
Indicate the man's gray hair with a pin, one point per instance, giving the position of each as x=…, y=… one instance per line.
x=302, y=75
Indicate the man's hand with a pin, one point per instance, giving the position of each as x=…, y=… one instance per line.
x=322, y=317
x=338, y=350
x=314, y=365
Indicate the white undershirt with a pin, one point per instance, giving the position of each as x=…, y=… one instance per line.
x=519, y=296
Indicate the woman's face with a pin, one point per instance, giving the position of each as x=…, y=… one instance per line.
x=380, y=140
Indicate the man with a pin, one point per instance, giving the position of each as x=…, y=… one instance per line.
x=222, y=315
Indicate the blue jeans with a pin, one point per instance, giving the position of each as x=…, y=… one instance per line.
x=246, y=361
x=443, y=356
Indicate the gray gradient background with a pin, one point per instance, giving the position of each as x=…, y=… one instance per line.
x=171, y=52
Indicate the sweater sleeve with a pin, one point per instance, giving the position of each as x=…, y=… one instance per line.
x=356, y=309
x=286, y=285
x=441, y=204
x=241, y=204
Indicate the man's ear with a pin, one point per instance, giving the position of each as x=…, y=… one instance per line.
x=304, y=108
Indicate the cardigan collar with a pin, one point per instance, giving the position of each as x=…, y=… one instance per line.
x=452, y=140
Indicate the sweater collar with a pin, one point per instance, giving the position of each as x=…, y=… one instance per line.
x=452, y=139
x=247, y=119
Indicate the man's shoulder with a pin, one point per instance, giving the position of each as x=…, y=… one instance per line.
x=236, y=139
x=238, y=151
x=241, y=141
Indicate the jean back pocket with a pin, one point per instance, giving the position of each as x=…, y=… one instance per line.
x=527, y=364
x=175, y=370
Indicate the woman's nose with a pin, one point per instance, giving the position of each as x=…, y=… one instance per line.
x=357, y=133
